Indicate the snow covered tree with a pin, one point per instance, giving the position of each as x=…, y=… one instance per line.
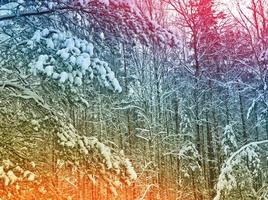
x=240, y=171
x=228, y=141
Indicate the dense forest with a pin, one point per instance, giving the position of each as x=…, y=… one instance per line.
x=134, y=100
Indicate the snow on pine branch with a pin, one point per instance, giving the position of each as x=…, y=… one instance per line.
x=129, y=3
x=69, y=60
x=120, y=19
x=227, y=180
x=11, y=173
x=88, y=146
x=139, y=26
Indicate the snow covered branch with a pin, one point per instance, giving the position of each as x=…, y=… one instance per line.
x=228, y=167
x=25, y=93
x=31, y=13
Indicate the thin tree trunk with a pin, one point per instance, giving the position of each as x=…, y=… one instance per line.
x=242, y=115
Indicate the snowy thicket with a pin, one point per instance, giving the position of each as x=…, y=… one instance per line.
x=98, y=100
x=38, y=61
